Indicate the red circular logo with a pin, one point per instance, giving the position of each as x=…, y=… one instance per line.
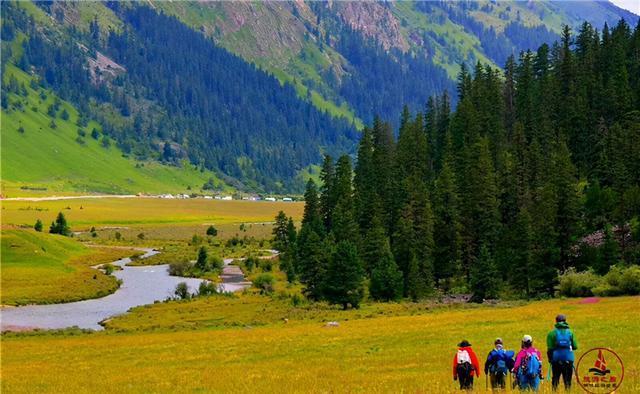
x=600, y=371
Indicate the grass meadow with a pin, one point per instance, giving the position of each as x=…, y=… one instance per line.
x=41, y=268
x=381, y=348
x=167, y=214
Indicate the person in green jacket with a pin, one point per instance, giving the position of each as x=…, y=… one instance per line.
x=561, y=343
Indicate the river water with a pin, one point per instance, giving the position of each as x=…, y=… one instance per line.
x=140, y=285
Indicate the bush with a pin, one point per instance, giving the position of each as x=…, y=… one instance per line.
x=108, y=269
x=266, y=265
x=212, y=231
x=215, y=264
x=179, y=268
x=619, y=280
x=578, y=284
x=182, y=291
x=207, y=288
x=265, y=283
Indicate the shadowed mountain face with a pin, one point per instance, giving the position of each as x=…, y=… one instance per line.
x=257, y=92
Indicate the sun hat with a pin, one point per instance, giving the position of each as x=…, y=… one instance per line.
x=464, y=343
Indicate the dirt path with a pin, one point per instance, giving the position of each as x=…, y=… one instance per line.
x=232, y=276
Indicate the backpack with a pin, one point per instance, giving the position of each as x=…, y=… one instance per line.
x=563, y=339
x=531, y=366
x=463, y=357
x=499, y=360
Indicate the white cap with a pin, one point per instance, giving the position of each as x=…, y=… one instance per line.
x=527, y=338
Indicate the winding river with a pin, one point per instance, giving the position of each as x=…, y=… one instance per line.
x=140, y=285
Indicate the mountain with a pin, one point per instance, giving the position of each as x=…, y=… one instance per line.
x=254, y=93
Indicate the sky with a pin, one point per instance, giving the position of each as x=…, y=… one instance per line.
x=631, y=5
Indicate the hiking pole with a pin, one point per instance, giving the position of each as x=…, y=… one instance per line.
x=486, y=382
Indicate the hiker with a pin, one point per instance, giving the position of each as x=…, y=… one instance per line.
x=465, y=364
x=499, y=363
x=528, y=366
x=560, y=346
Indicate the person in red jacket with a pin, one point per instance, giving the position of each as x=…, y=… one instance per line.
x=465, y=365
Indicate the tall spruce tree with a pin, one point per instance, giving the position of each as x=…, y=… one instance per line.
x=344, y=279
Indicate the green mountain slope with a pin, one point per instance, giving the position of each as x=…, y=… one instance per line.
x=293, y=40
x=37, y=158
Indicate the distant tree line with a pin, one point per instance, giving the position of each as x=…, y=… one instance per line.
x=536, y=172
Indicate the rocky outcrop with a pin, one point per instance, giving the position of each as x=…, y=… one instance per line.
x=373, y=19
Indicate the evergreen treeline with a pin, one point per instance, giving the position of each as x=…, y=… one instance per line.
x=494, y=198
x=182, y=97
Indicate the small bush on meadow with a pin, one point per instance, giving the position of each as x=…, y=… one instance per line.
x=215, y=264
x=207, y=288
x=179, y=268
x=182, y=291
x=108, y=269
x=265, y=282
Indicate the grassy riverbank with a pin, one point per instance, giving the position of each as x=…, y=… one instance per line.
x=381, y=348
x=41, y=268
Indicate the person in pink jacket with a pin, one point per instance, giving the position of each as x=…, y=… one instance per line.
x=528, y=365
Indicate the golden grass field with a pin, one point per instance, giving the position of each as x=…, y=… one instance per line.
x=242, y=343
x=82, y=214
x=44, y=268
x=391, y=348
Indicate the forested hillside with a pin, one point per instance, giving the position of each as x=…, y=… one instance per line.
x=163, y=91
x=256, y=93
x=534, y=173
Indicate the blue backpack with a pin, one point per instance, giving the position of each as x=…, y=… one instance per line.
x=562, y=350
x=500, y=360
x=563, y=339
x=531, y=366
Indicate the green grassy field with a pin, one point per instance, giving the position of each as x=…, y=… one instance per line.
x=37, y=156
x=44, y=268
x=406, y=350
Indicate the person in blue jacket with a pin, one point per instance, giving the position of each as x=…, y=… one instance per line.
x=499, y=363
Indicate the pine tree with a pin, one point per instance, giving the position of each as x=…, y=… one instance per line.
x=38, y=226
x=60, y=226
x=312, y=262
x=328, y=196
x=344, y=280
x=484, y=278
x=201, y=262
x=365, y=182
x=311, y=216
x=386, y=278
x=280, y=232
x=447, y=225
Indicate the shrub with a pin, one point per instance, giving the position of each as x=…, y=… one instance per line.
x=118, y=236
x=207, y=288
x=215, y=264
x=265, y=283
x=108, y=269
x=179, y=268
x=629, y=282
x=266, y=265
x=212, y=231
x=182, y=291
x=578, y=284
x=38, y=226
x=250, y=263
